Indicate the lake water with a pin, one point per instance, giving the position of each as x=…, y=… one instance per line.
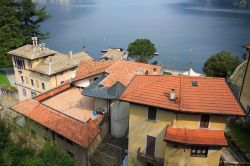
x=183, y=31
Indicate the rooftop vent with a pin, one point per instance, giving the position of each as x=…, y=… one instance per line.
x=43, y=46
x=34, y=41
x=172, y=95
x=194, y=83
x=70, y=54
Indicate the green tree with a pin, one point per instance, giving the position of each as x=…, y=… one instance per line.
x=51, y=155
x=14, y=154
x=11, y=35
x=31, y=17
x=142, y=50
x=19, y=21
x=221, y=64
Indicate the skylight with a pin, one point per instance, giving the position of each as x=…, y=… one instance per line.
x=194, y=83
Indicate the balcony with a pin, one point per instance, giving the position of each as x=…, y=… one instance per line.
x=149, y=159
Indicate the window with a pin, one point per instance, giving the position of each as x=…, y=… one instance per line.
x=19, y=62
x=24, y=92
x=204, y=121
x=43, y=85
x=32, y=82
x=22, y=79
x=152, y=113
x=62, y=82
x=33, y=94
x=194, y=83
x=150, y=149
x=199, y=151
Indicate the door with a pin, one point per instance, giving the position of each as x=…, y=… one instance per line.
x=150, y=149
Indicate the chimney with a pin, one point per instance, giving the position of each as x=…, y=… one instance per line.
x=43, y=46
x=70, y=55
x=50, y=65
x=172, y=95
x=40, y=47
x=33, y=40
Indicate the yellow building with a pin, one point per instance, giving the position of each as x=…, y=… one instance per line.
x=178, y=120
x=38, y=69
x=245, y=88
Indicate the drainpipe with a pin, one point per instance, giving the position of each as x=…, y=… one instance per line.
x=109, y=116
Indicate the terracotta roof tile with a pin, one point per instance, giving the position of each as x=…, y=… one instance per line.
x=91, y=68
x=118, y=70
x=124, y=71
x=196, y=136
x=72, y=129
x=52, y=92
x=212, y=95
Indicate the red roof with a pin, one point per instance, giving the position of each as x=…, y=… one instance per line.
x=119, y=70
x=196, y=136
x=75, y=130
x=91, y=68
x=52, y=92
x=212, y=95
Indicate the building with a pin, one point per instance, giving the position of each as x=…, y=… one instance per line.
x=114, y=54
x=65, y=116
x=245, y=88
x=38, y=69
x=189, y=72
x=78, y=114
x=108, y=80
x=178, y=120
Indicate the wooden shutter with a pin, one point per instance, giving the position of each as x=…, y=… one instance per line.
x=150, y=150
x=204, y=121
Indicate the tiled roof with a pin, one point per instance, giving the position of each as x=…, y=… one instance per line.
x=247, y=46
x=114, y=54
x=71, y=128
x=113, y=92
x=52, y=92
x=60, y=62
x=91, y=68
x=196, y=136
x=118, y=70
x=124, y=71
x=212, y=95
x=31, y=52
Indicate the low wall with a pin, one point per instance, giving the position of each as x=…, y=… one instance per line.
x=8, y=92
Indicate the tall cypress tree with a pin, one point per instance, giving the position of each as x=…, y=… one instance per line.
x=31, y=18
x=19, y=21
x=11, y=35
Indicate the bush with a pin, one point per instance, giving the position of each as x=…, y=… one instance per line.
x=221, y=64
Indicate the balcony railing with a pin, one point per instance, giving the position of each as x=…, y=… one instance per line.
x=149, y=159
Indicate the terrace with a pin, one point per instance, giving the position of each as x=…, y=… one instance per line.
x=71, y=103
